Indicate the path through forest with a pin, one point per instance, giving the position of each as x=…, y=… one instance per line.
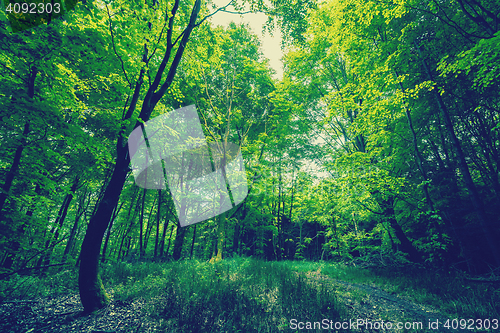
x=373, y=304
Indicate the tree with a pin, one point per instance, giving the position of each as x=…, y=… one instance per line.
x=92, y=293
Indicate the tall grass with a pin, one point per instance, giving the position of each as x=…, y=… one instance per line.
x=58, y=282
x=248, y=295
x=449, y=292
x=240, y=296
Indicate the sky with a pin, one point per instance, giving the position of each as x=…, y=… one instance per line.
x=271, y=46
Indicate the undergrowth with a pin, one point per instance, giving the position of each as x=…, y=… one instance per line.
x=450, y=292
x=233, y=295
x=248, y=295
x=236, y=295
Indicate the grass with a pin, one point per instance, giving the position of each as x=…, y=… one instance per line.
x=448, y=292
x=60, y=282
x=248, y=295
x=234, y=295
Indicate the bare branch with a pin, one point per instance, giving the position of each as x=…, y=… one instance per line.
x=114, y=47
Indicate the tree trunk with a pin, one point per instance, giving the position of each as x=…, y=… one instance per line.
x=158, y=224
x=74, y=229
x=464, y=168
x=406, y=245
x=163, y=234
x=169, y=240
x=92, y=293
x=192, y=243
x=179, y=241
x=19, y=151
x=149, y=228
x=61, y=216
x=108, y=234
x=141, y=225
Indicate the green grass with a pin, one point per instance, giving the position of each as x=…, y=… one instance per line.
x=248, y=295
x=58, y=282
x=234, y=295
x=448, y=292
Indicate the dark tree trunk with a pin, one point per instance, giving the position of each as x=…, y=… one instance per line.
x=108, y=233
x=141, y=225
x=163, y=234
x=158, y=224
x=179, y=241
x=149, y=228
x=169, y=240
x=192, y=243
x=92, y=293
x=464, y=169
x=19, y=151
x=74, y=229
x=61, y=216
x=406, y=245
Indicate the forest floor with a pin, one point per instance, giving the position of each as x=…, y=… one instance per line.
x=368, y=308
x=377, y=310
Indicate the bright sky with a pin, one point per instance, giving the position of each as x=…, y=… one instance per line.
x=271, y=46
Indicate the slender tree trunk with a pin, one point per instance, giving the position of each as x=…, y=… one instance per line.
x=19, y=151
x=169, y=240
x=9, y=178
x=179, y=241
x=192, y=243
x=58, y=224
x=74, y=229
x=464, y=168
x=158, y=224
x=13, y=168
x=92, y=293
x=141, y=225
x=108, y=233
x=163, y=234
x=406, y=244
x=149, y=227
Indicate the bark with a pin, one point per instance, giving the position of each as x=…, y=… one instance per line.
x=129, y=228
x=158, y=224
x=9, y=178
x=406, y=245
x=141, y=225
x=169, y=240
x=221, y=237
x=179, y=241
x=108, y=233
x=149, y=227
x=92, y=293
x=464, y=168
x=163, y=234
x=74, y=229
x=192, y=243
x=61, y=216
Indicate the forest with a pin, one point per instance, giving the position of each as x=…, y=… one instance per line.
x=371, y=167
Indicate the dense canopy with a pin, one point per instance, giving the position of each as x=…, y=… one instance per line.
x=380, y=142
